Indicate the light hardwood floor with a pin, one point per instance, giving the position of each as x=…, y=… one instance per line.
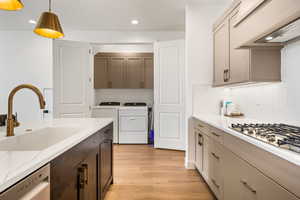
x=144, y=173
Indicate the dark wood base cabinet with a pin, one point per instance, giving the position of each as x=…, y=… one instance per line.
x=84, y=172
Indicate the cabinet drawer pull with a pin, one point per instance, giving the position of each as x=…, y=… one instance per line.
x=214, y=155
x=217, y=135
x=248, y=186
x=215, y=183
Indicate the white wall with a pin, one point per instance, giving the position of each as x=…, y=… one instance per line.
x=199, y=53
x=132, y=48
x=24, y=58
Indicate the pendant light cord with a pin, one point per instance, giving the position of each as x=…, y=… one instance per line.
x=50, y=5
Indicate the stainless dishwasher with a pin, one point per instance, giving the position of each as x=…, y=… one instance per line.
x=34, y=187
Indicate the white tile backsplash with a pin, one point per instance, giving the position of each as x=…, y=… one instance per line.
x=124, y=95
x=277, y=101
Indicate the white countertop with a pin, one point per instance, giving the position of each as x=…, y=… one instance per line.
x=106, y=107
x=15, y=165
x=223, y=124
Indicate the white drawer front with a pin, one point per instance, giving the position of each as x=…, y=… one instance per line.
x=133, y=123
x=136, y=111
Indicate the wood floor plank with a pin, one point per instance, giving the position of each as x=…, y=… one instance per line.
x=144, y=173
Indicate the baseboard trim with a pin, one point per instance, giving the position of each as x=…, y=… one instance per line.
x=190, y=165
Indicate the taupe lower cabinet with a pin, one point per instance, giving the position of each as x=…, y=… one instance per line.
x=123, y=70
x=243, y=181
x=233, y=66
x=199, y=150
x=229, y=176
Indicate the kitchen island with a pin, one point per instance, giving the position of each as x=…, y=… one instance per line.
x=79, y=152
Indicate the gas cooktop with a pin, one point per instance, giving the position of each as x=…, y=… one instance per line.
x=279, y=135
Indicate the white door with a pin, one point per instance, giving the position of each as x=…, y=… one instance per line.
x=72, y=73
x=169, y=90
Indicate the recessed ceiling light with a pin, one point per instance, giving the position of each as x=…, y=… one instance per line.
x=32, y=21
x=134, y=22
x=269, y=38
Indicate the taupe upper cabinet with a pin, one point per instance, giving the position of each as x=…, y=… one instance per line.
x=101, y=72
x=123, y=70
x=116, y=70
x=236, y=66
x=135, y=73
x=239, y=58
x=221, y=53
x=149, y=73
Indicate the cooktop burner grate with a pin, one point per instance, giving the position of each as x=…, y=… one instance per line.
x=279, y=135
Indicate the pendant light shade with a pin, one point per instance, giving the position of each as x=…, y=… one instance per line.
x=11, y=5
x=48, y=25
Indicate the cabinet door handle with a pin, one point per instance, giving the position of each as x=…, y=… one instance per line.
x=248, y=186
x=217, y=135
x=142, y=84
x=83, y=176
x=81, y=182
x=214, y=155
x=215, y=183
x=200, y=139
x=86, y=173
x=109, y=84
x=226, y=75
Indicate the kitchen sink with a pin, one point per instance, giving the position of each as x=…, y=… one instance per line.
x=37, y=140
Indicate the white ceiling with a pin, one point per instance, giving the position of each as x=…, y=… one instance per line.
x=101, y=14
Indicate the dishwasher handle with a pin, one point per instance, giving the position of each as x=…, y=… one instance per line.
x=40, y=192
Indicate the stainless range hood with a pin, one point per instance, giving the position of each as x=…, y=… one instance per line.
x=284, y=34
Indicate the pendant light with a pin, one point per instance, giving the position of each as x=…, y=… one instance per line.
x=48, y=25
x=11, y=5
